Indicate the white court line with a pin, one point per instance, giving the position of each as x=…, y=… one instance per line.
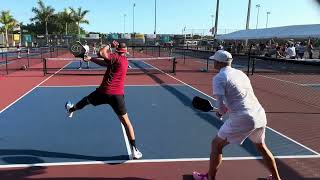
x=32, y=89
x=150, y=161
x=290, y=82
x=313, y=151
x=310, y=84
x=128, y=146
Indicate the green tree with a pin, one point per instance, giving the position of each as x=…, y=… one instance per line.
x=79, y=17
x=8, y=23
x=65, y=18
x=43, y=14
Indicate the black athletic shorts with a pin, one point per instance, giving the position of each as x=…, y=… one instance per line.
x=115, y=101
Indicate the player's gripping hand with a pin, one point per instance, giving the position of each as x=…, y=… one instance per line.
x=114, y=44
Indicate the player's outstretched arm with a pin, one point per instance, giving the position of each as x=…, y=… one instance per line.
x=103, y=57
x=99, y=61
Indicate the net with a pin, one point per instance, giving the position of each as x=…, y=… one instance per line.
x=27, y=58
x=76, y=66
x=267, y=65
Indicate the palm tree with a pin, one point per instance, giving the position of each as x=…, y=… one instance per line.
x=79, y=17
x=65, y=17
x=43, y=14
x=8, y=22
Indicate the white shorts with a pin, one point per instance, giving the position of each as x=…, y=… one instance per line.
x=236, y=132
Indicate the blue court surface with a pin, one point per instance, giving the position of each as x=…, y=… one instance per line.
x=134, y=64
x=315, y=86
x=36, y=128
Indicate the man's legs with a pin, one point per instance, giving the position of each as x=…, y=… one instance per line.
x=217, y=146
x=269, y=160
x=127, y=125
x=130, y=134
x=79, y=105
x=80, y=64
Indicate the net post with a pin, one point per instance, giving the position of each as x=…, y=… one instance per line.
x=132, y=51
x=184, y=56
x=28, y=59
x=7, y=63
x=159, y=51
x=174, y=62
x=253, y=65
x=51, y=50
x=44, y=66
x=41, y=56
x=207, y=65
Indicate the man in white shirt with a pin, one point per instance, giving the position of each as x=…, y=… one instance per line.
x=234, y=94
x=87, y=49
x=291, y=52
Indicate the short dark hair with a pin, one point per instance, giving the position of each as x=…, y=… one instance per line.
x=122, y=45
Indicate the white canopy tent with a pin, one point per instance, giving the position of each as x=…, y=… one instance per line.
x=285, y=32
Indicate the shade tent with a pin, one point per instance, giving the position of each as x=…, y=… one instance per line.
x=296, y=31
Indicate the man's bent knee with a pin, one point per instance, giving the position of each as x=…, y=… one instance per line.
x=218, y=144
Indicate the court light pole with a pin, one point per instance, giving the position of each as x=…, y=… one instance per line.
x=248, y=19
x=134, y=5
x=155, y=17
x=217, y=18
x=212, y=29
x=124, y=23
x=268, y=13
x=258, y=6
x=248, y=15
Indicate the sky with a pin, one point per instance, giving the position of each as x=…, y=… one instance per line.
x=108, y=16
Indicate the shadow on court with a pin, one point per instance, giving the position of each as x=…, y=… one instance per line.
x=26, y=173
x=20, y=156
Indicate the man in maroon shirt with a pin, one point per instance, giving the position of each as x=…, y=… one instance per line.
x=111, y=89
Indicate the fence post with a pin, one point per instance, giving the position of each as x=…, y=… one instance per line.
x=249, y=59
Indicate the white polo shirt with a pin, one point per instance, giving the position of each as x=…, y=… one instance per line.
x=86, y=47
x=291, y=51
x=239, y=97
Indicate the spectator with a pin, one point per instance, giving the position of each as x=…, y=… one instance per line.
x=301, y=50
x=291, y=51
x=19, y=51
x=279, y=54
x=296, y=46
x=94, y=48
x=310, y=50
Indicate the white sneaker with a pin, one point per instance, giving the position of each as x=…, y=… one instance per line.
x=136, y=154
x=68, y=106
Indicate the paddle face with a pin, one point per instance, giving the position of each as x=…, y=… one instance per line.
x=202, y=104
x=77, y=49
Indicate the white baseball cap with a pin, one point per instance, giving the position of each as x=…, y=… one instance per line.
x=221, y=56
